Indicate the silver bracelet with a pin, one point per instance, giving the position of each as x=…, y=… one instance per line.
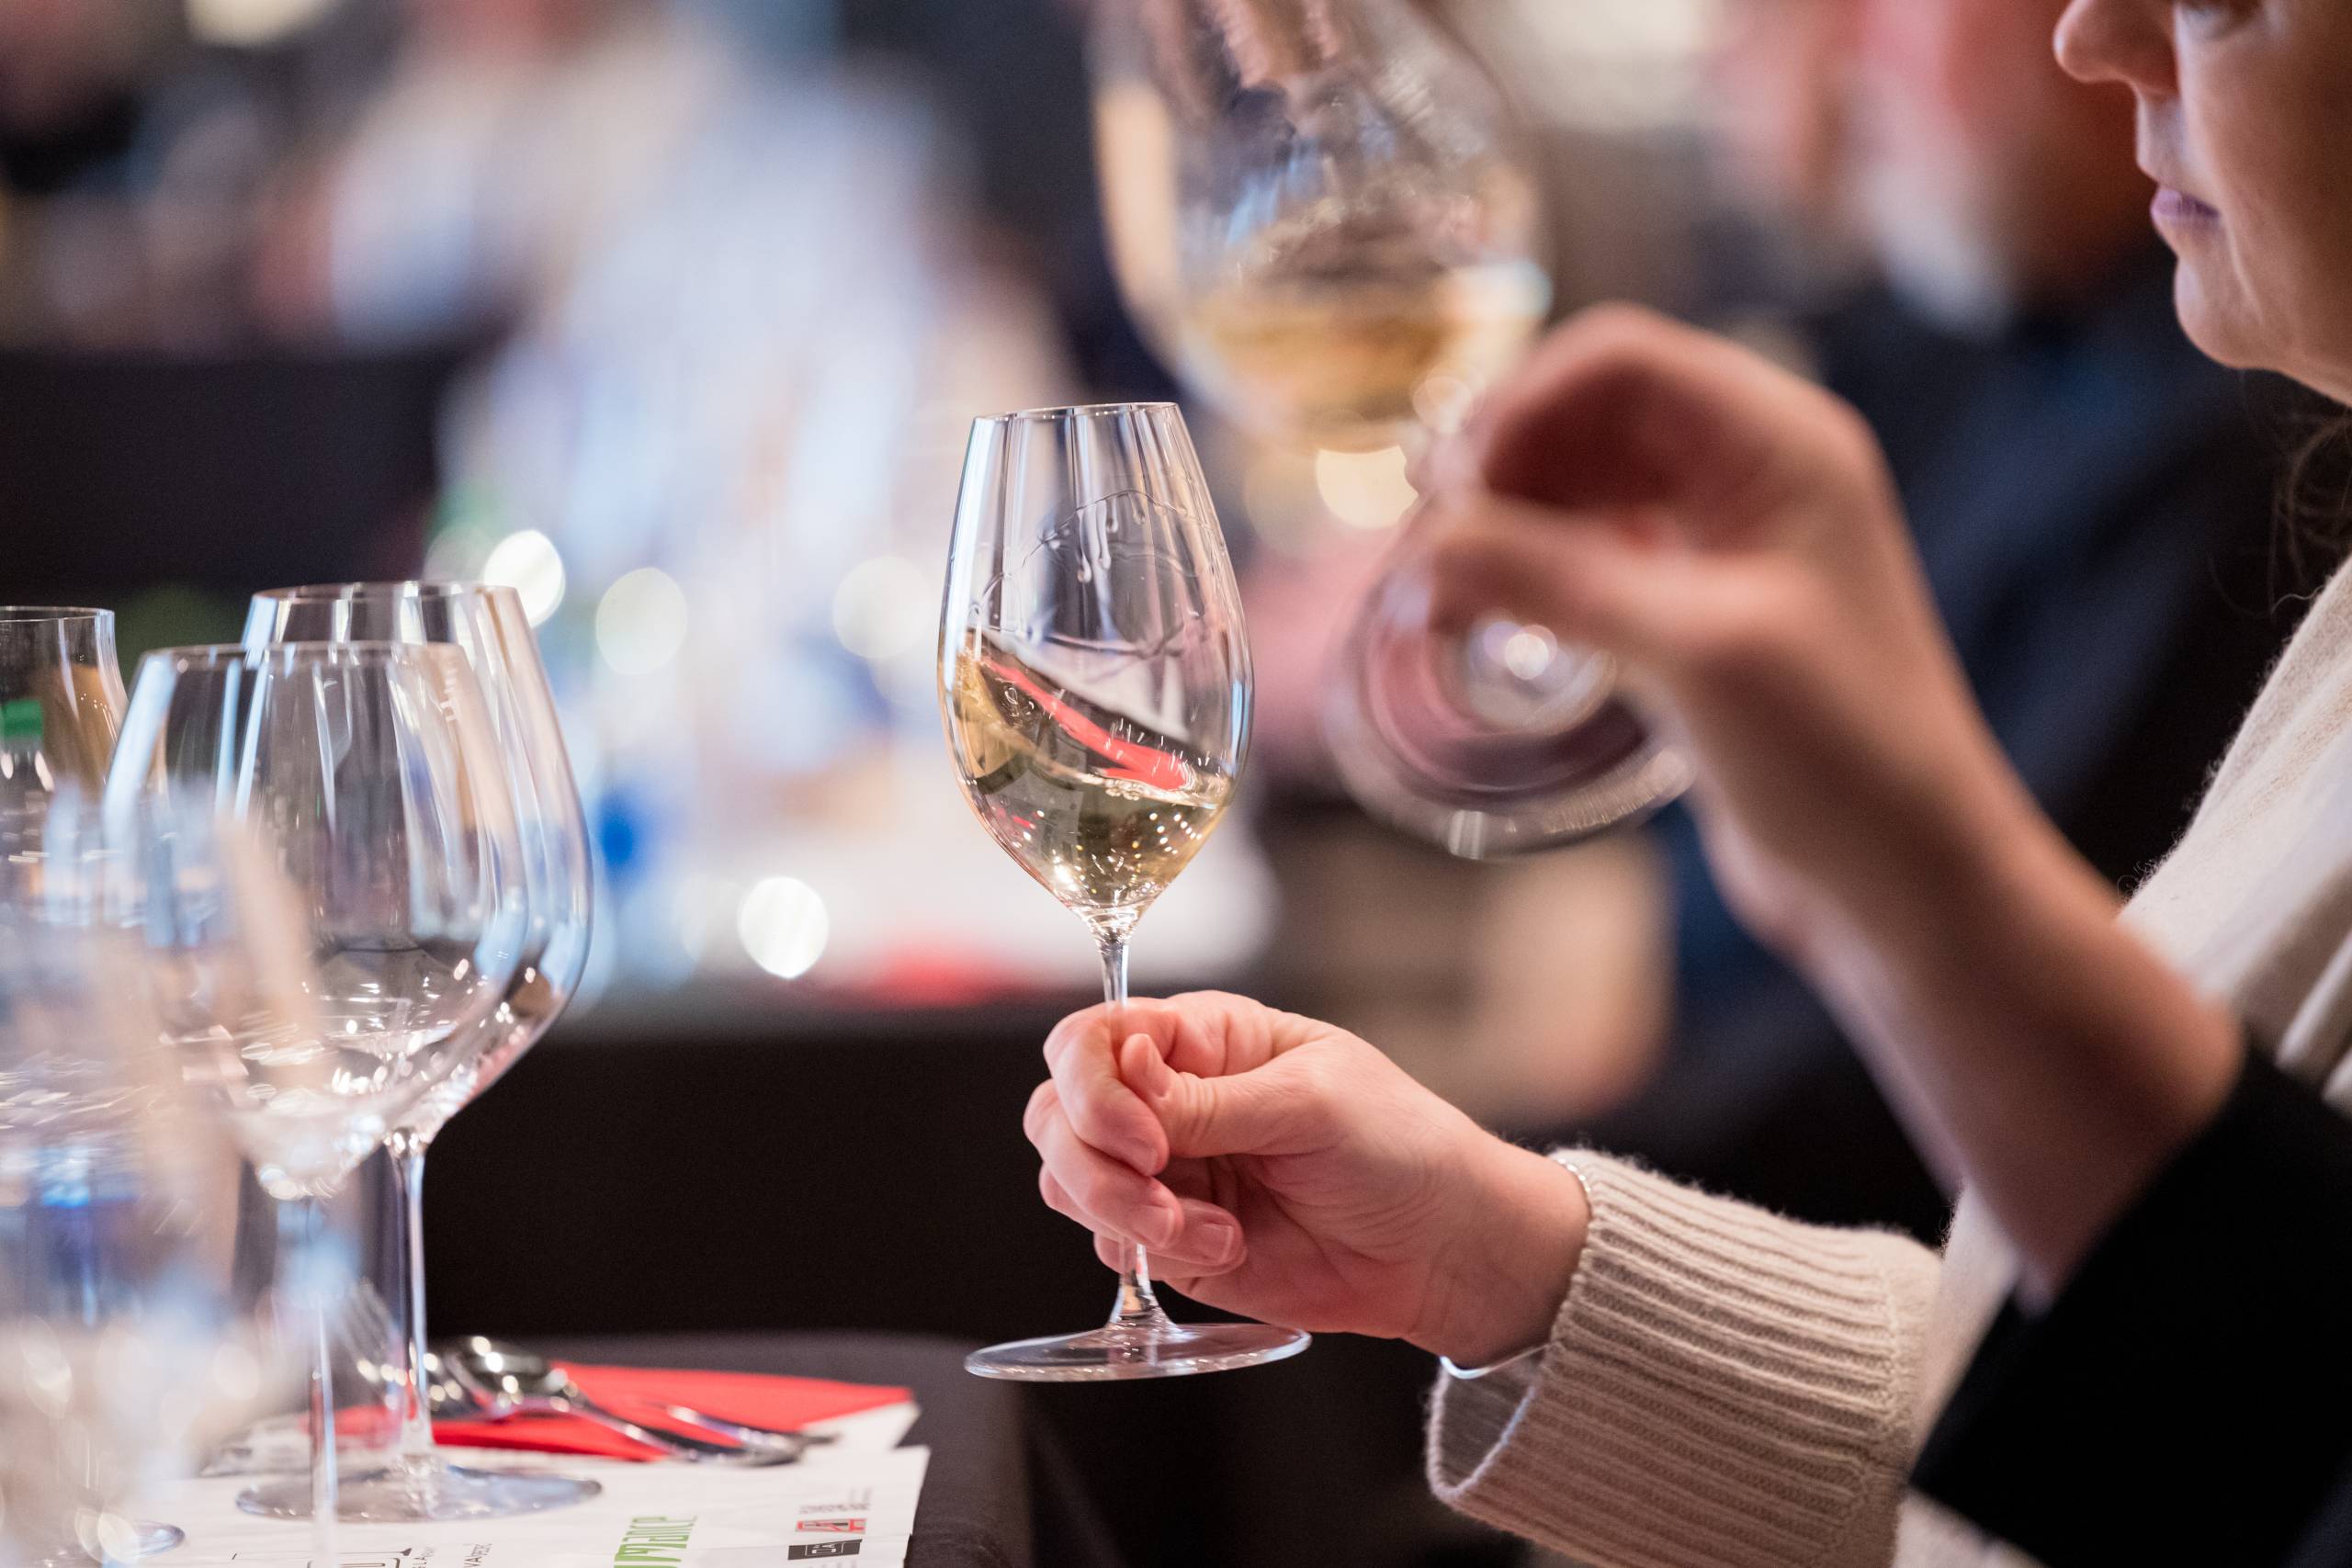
x=1565, y=1160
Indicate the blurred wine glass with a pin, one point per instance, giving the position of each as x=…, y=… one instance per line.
x=60, y=705
x=122, y=1350
x=487, y=626
x=1319, y=207
x=1324, y=212
x=1095, y=677
x=352, y=797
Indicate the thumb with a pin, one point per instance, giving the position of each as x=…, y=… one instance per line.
x=1259, y=1112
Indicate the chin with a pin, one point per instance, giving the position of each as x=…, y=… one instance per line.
x=2220, y=331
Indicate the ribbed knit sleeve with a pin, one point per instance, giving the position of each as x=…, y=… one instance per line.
x=1724, y=1389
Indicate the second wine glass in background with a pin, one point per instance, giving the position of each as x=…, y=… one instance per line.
x=488, y=627
x=1323, y=211
x=350, y=802
x=1329, y=218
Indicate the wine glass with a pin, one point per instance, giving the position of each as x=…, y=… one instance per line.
x=1324, y=212
x=121, y=1350
x=1493, y=739
x=353, y=795
x=487, y=626
x=1319, y=207
x=1095, y=677
x=60, y=705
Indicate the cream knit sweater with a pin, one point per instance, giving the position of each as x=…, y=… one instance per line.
x=1727, y=1388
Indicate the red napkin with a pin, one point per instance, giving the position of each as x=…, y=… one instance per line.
x=752, y=1398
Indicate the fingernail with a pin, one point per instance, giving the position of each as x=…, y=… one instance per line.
x=1216, y=1240
x=1159, y=1227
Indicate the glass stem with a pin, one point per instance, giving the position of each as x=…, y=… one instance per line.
x=1137, y=1307
x=321, y=1303
x=407, y=1150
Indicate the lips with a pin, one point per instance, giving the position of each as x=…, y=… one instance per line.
x=2173, y=205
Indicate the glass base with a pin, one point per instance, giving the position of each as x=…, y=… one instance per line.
x=421, y=1490
x=147, y=1540
x=1120, y=1352
x=153, y=1540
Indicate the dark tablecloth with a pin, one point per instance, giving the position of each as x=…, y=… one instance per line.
x=997, y=1492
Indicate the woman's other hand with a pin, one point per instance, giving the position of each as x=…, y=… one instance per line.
x=1729, y=532
x=1283, y=1169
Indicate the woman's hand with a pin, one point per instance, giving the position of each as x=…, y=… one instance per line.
x=1728, y=531
x=1283, y=1169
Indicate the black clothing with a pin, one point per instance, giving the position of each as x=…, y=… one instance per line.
x=2187, y=1399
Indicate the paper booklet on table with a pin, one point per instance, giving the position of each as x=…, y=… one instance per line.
x=856, y=1507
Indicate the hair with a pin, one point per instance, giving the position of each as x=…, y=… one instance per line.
x=2315, y=500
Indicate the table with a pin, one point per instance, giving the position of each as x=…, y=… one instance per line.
x=997, y=1492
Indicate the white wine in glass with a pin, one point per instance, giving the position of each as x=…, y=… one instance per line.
x=1355, y=363
x=1105, y=819
x=1323, y=213
x=1095, y=677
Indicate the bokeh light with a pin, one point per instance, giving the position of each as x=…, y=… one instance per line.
x=529, y=563
x=1365, y=490
x=247, y=24
x=783, y=925
x=641, y=620
x=885, y=607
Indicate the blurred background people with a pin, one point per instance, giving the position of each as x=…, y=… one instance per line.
x=747, y=312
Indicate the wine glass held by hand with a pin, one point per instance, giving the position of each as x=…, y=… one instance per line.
x=121, y=1354
x=1095, y=680
x=1327, y=214
x=487, y=626
x=342, y=808
x=1323, y=212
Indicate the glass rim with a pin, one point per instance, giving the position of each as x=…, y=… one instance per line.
x=219, y=655
x=32, y=614
x=390, y=587
x=1069, y=412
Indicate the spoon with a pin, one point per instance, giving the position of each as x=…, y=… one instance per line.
x=527, y=1366
x=482, y=1376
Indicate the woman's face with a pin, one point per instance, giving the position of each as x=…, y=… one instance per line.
x=2245, y=121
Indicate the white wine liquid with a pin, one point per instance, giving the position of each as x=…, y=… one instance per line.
x=1349, y=363
x=1099, y=810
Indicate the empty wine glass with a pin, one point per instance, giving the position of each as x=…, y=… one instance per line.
x=121, y=1351
x=353, y=795
x=488, y=626
x=1095, y=677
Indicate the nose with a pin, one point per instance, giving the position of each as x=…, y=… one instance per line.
x=2128, y=41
